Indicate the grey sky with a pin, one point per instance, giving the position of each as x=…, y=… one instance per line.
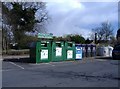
x=74, y=17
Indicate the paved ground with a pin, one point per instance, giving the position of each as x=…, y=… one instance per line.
x=100, y=72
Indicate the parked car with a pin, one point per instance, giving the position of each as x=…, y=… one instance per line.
x=116, y=52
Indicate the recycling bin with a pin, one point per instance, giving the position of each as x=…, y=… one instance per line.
x=91, y=53
x=86, y=50
x=40, y=51
x=69, y=51
x=83, y=50
x=57, y=51
x=94, y=51
x=78, y=51
x=89, y=50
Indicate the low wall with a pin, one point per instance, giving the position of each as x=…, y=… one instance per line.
x=16, y=52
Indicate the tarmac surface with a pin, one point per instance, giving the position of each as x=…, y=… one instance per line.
x=90, y=72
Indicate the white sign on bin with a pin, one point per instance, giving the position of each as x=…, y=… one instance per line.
x=78, y=56
x=69, y=54
x=89, y=48
x=58, y=51
x=94, y=48
x=44, y=54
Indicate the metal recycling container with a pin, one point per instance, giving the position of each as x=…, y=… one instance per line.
x=93, y=50
x=69, y=51
x=83, y=50
x=57, y=51
x=89, y=50
x=86, y=50
x=110, y=48
x=103, y=51
x=91, y=47
x=78, y=51
x=40, y=51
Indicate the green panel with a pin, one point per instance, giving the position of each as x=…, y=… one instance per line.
x=33, y=55
x=69, y=51
x=57, y=51
x=38, y=52
x=33, y=52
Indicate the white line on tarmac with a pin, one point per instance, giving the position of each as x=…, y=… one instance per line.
x=6, y=70
x=42, y=64
x=50, y=64
x=101, y=60
x=17, y=65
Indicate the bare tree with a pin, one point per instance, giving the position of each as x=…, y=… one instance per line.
x=104, y=32
x=107, y=29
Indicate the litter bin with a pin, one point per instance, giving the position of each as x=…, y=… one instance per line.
x=78, y=51
x=40, y=51
x=57, y=51
x=69, y=51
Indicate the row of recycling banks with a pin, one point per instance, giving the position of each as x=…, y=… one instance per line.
x=46, y=51
x=49, y=50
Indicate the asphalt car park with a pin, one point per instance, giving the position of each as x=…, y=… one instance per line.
x=90, y=72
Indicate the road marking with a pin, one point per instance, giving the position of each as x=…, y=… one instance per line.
x=51, y=64
x=17, y=65
x=42, y=64
x=6, y=70
x=101, y=60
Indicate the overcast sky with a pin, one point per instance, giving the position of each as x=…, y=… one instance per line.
x=74, y=17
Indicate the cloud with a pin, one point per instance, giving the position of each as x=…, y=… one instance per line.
x=79, y=0
x=80, y=17
x=59, y=0
x=63, y=7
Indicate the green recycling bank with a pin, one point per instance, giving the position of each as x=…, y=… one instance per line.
x=49, y=50
x=40, y=51
x=69, y=51
x=57, y=51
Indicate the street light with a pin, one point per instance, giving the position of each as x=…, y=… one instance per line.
x=95, y=38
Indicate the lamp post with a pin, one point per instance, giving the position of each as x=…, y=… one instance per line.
x=95, y=38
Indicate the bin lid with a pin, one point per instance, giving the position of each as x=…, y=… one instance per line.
x=83, y=45
x=80, y=45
